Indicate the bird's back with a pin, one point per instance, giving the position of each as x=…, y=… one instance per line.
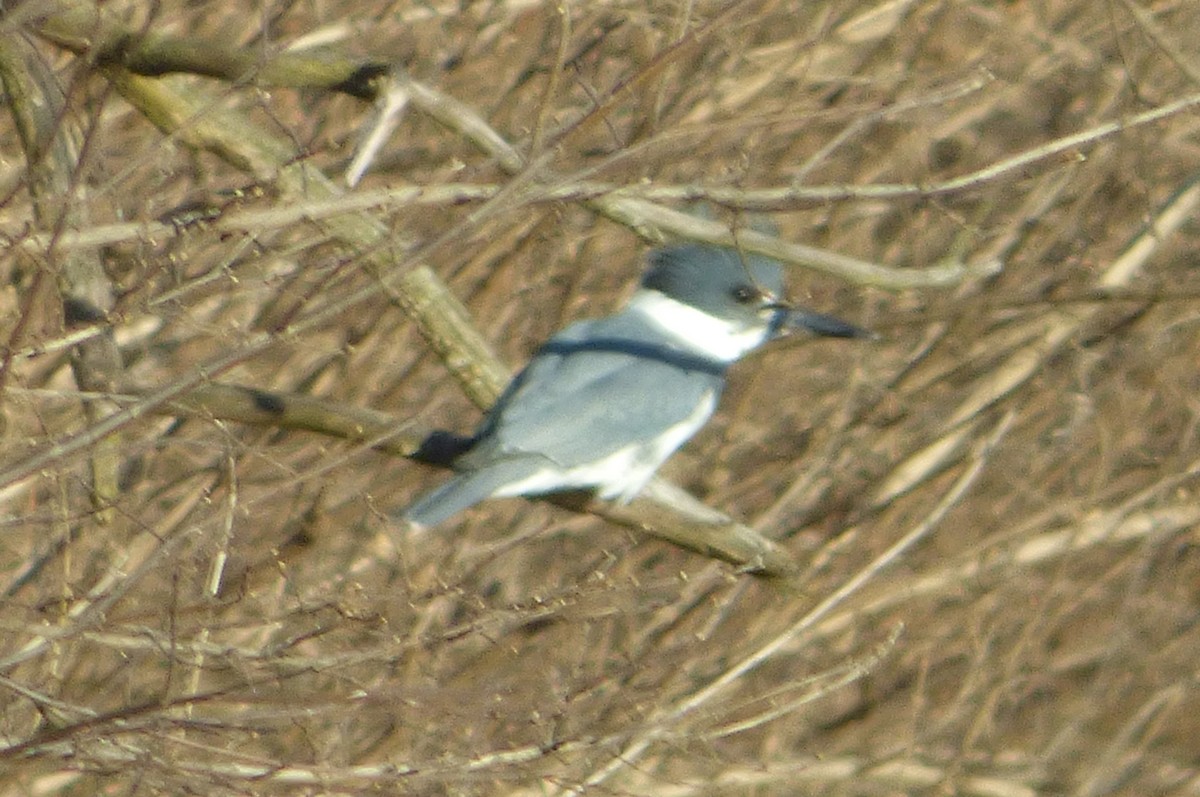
x=594, y=388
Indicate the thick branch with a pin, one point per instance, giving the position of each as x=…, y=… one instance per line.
x=664, y=510
x=87, y=31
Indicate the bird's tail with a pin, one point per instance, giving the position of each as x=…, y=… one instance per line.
x=458, y=493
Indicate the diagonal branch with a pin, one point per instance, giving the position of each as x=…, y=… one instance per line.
x=441, y=318
x=86, y=30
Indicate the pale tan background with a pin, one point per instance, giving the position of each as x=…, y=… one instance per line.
x=1041, y=639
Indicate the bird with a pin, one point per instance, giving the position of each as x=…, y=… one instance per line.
x=606, y=401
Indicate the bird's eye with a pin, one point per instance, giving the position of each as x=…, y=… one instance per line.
x=744, y=294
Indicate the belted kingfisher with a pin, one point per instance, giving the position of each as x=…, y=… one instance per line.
x=605, y=402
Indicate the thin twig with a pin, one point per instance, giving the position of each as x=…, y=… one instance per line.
x=667, y=717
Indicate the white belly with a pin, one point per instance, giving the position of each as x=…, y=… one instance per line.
x=621, y=475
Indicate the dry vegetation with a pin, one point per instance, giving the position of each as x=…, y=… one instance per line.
x=994, y=508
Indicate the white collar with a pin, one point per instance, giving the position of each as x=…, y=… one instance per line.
x=695, y=329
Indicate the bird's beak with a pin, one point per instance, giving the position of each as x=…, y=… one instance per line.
x=825, y=325
x=789, y=318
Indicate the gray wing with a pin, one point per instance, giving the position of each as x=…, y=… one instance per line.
x=589, y=392
x=465, y=490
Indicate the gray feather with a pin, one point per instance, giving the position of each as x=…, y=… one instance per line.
x=604, y=402
x=593, y=389
x=464, y=490
x=587, y=394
